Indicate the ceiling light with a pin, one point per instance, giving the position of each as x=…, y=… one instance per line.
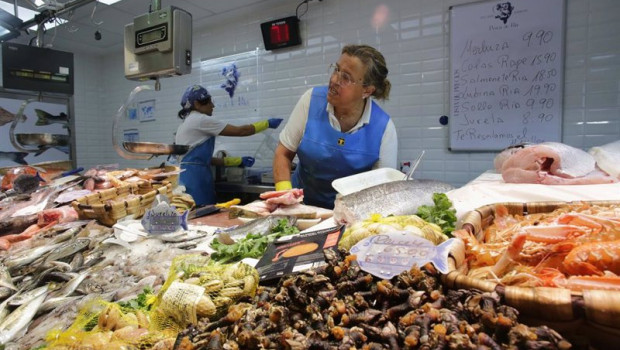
x=108, y=2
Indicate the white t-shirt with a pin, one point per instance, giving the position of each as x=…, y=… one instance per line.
x=293, y=132
x=196, y=128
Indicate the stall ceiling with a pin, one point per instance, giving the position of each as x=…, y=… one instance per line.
x=78, y=34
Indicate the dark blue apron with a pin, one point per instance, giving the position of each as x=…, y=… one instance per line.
x=197, y=177
x=326, y=154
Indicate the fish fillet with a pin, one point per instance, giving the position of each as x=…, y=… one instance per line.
x=608, y=158
x=551, y=163
x=392, y=198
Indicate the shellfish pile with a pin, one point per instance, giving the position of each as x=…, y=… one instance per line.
x=339, y=306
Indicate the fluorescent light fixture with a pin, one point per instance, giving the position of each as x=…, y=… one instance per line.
x=9, y=26
x=108, y=2
x=26, y=14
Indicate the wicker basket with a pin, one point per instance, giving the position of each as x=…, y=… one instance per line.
x=145, y=186
x=587, y=318
x=108, y=206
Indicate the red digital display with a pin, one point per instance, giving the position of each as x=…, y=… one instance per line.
x=279, y=33
x=283, y=32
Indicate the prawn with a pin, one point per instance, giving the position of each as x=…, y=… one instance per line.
x=554, y=278
x=593, y=258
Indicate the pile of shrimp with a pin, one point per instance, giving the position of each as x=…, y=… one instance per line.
x=576, y=246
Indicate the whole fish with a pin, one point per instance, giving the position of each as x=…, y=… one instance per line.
x=27, y=256
x=68, y=249
x=20, y=318
x=70, y=286
x=7, y=117
x=25, y=296
x=391, y=198
x=44, y=118
x=16, y=157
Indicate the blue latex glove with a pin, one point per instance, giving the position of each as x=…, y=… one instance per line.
x=247, y=162
x=274, y=122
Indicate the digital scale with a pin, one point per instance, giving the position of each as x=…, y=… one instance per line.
x=157, y=45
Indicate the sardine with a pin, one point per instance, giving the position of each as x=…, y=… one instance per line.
x=391, y=198
x=25, y=296
x=28, y=256
x=21, y=317
x=68, y=249
x=70, y=286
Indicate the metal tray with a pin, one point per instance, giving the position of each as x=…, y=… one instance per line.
x=155, y=148
x=43, y=139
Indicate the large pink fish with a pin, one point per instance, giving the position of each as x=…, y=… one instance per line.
x=550, y=163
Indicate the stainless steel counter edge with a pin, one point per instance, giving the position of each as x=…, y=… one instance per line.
x=241, y=188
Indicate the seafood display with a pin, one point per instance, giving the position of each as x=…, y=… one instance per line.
x=339, y=306
x=550, y=163
x=67, y=283
x=576, y=246
x=392, y=198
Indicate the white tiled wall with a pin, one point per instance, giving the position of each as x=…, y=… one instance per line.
x=414, y=42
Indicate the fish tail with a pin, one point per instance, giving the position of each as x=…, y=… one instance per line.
x=41, y=113
x=441, y=258
x=20, y=157
x=184, y=219
x=41, y=120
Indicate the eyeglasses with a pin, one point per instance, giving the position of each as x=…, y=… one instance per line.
x=344, y=79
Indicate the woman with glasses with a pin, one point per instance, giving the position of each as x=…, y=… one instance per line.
x=198, y=131
x=338, y=130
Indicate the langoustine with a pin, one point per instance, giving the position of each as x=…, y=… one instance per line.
x=579, y=243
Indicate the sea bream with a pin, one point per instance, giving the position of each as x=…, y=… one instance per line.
x=391, y=198
x=550, y=163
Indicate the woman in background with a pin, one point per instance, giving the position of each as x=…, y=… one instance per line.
x=199, y=130
x=338, y=130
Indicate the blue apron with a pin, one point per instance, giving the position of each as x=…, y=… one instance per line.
x=197, y=177
x=326, y=154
